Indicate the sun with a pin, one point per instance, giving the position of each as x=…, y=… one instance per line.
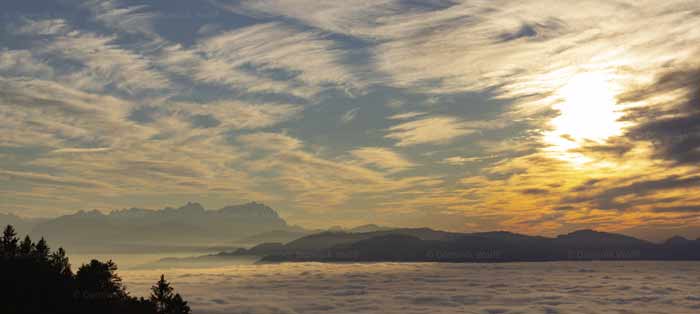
x=588, y=111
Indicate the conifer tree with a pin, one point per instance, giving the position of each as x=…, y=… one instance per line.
x=8, y=244
x=59, y=262
x=41, y=249
x=165, y=301
x=161, y=294
x=178, y=306
x=26, y=247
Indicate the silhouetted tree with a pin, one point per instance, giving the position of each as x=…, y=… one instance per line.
x=161, y=293
x=26, y=247
x=59, y=262
x=165, y=301
x=178, y=306
x=41, y=249
x=8, y=244
x=34, y=280
x=99, y=280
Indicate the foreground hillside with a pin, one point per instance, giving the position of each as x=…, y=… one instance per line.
x=38, y=281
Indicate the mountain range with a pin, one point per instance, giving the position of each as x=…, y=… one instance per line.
x=187, y=227
x=270, y=238
x=427, y=245
x=190, y=227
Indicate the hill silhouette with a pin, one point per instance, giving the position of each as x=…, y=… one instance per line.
x=423, y=244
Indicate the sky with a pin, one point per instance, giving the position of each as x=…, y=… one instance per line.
x=539, y=117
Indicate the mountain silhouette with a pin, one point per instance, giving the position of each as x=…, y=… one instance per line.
x=185, y=227
x=427, y=245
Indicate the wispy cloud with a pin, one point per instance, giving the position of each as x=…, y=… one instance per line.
x=240, y=115
x=382, y=158
x=460, y=161
x=270, y=57
x=407, y=115
x=105, y=63
x=50, y=180
x=349, y=115
x=23, y=63
x=81, y=150
x=129, y=19
x=42, y=27
x=435, y=130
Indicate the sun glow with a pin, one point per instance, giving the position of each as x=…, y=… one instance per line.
x=587, y=112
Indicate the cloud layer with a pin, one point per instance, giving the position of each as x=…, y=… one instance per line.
x=530, y=116
x=434, y=288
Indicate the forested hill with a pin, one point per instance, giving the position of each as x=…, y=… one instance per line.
x=36, y=280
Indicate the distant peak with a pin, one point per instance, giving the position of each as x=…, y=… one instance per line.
x=588, y=235
x=585, y=233
x=677, y=240
x=192, y=207
x=250, y=209
x=92, y=213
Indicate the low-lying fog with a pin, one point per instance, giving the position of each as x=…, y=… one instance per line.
x=527, y=288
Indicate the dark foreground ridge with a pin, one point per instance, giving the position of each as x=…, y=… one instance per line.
x=426, y=245
x=35, y=280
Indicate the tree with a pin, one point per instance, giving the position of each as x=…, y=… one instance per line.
x=26, y=247
x=178, y=306
x=41, y=250
x=99, y=280
x=35, y=281
x=164, y=300
x=161, y=294
x=59, y=262
x=8, y=244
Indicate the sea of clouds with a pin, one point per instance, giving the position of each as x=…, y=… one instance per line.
x=549, y=288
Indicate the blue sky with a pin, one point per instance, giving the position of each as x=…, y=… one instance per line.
x=531, y=116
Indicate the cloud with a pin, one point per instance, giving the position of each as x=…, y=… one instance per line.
x=234, y=104
x=350, y=17
x=159, y=168
x=50, y=180
x=204, y=121
x=320, y=184
x=534, y=191
x=42, y=27
x=678, y=209
x=382, y=158
x=407, y=115
x=349, y=115
x=434, y=130
x=105, y=63
x=23, y=63
x=459, y=160
x=129, y=19
x=533, y=31
x=81, y=150
x=271, y=57
x=615, y=197
x=45, y=111
x=393, y=288
x=270, y=141
x=273, y=46
x=241, y=115
x=673, y=124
